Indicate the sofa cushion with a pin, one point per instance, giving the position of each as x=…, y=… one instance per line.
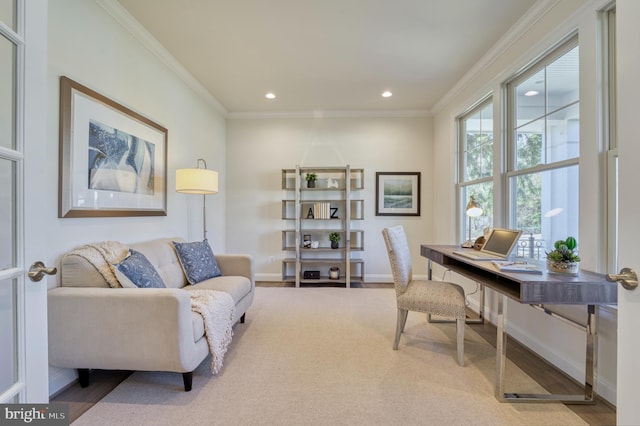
x=197, y=261
x=236, y=286
x=163, y=257
x=136, y=271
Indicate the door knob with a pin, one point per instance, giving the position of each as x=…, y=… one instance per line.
x=37, y=271
x=627, y=278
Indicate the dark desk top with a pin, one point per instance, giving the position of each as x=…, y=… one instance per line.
x=587, y=288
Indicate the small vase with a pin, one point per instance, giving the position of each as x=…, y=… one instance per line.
x=311, y=184
x=335, y=244
x=567, y=268
x=334, y=273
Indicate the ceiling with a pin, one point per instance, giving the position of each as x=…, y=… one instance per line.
x=327, y=55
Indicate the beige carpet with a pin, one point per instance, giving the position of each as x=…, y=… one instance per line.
x=322, y=356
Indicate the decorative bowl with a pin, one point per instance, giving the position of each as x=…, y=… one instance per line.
x=567, y=268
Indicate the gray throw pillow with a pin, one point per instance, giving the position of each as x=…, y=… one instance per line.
x=136, y=271
x=197, y=261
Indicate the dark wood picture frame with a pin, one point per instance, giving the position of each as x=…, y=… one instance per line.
x=112, y=160
x=397, y=193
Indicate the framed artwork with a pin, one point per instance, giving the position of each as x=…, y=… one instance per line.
x=113, y=161
x=397, y=193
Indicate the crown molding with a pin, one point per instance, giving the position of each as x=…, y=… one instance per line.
x=524, y=24
x=131, y=25
x=329, y=114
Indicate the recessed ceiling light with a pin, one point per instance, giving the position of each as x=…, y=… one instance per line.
x=270, y=95
x=532, y=93
x=387, y=94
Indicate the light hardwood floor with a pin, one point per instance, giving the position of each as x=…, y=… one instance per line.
x=552, y=379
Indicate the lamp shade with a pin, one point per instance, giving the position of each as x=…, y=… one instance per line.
x=473, y=208
x=196, y=181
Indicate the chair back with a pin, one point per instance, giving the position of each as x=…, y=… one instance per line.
x=399, y=257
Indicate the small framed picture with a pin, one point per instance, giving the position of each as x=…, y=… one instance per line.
x=397, y=193
x=306, y=241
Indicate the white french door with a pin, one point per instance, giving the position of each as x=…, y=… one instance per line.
x=628, y=95
x=23, y=358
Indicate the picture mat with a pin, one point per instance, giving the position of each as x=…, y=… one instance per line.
x=384, y=181
x=85, y=108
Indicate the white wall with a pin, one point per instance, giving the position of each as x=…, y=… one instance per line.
x=562, y=345
x=89, y=46
x=259, y=148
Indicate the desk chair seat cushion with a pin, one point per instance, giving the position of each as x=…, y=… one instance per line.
x=434, y=297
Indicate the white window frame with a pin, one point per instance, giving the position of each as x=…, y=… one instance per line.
x=462, y=183
x=608, y=61
x=511, y=172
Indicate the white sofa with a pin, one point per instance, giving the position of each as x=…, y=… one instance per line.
x=94, y=326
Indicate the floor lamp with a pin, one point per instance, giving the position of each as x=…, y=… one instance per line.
x=198, y=181
x=473, y=210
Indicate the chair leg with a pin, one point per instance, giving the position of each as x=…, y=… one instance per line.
x=402, y=320
x=460, y=343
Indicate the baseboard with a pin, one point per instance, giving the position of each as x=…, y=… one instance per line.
x=379, y=278
x=269, y=277
x=370, y=278
x=60, y=379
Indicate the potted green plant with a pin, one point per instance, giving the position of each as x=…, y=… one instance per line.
x=311, y=180
x=564, y=258
x=334, y=237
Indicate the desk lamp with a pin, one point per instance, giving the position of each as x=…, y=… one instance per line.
x=473, y=210
x=198, y=181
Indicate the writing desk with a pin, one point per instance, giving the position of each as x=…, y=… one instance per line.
x=587, y=288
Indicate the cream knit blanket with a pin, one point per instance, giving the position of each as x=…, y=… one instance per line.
x=103, y=255
x=216, y=308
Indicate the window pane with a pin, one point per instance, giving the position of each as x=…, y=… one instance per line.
x=7, y=100
x=8, y=374
x=8, y=13
x=529, y=145
x=547, y=114
x=478, y=159
x=530, y=96
x=483, y=195
x=7, y=214
x=546, y=208
x=563, y=134
x=563, y=80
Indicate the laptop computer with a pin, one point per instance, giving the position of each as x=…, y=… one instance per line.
x=498, y=246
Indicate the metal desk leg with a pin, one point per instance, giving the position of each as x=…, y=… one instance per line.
x=501, y=349
x=592, y=353
x=590, y=367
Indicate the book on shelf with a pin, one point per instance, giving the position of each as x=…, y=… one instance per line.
x=520, y=267
x=322, y=210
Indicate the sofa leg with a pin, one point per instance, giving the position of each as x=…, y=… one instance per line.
x=83, y=377
x=242, y=318
x=187, y=378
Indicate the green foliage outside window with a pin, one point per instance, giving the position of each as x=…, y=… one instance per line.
x=479, y=156
x=529, y=186
x=479, y=164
